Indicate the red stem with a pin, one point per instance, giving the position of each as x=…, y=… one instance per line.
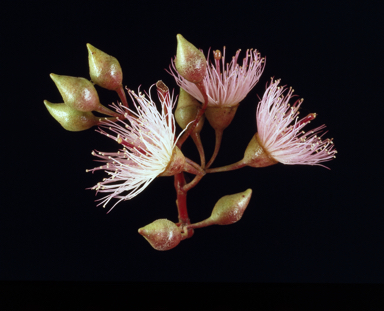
x=182, y=204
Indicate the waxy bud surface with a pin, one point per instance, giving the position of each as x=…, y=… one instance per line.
x=230, y=208
x=80, y=94
x=162, y=234
x=186, y=111
x=104, y=69
x=190, y=62
x=70, y=119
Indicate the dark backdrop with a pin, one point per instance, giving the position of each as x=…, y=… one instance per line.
x=303, y=224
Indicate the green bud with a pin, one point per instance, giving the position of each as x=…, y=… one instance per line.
x=80, y=94
x=70, y=119
x=230, y=208
x=190, y=62
x=186, y=111
x=104, y=69
x=162, y=234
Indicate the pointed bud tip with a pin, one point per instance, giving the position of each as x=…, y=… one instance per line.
x=230, y=208
x=162, y=234
x=190, y=62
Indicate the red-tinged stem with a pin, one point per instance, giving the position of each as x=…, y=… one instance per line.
x=227, y=168
x=182, y=205
x=193, y=183
x=219, y=136
x=197, y=140
x=199, y=170
x=121, y=93
x=186, y=134
x=201, y=224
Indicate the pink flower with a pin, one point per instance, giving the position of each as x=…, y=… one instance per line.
x=280, y=134
x=226, y=85
x=148, y=140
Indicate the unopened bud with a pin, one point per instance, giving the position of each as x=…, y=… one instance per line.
x=80, y=94
x=220, y=117
x=256, y=156
x=190, y=62
x=162, y=234
x=230, y=208
x=71, y=119
x=186, y=111
x=104, y=69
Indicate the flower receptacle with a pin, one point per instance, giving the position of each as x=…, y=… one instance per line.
x=256, y=156
x=220, y=117
x=176, y=163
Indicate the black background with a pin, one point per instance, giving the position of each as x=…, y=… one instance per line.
x=304, y=224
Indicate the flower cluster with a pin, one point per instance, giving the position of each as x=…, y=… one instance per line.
x=150, y=147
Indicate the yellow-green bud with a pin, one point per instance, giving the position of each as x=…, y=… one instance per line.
x=186, y=111
x=230, y=208
x=71, y=119
x=190, y=62
x=104, y=69
x=80, y=94
x=162, y=234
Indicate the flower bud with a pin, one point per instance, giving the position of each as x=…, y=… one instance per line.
x=190, y=62
x=186, y=111
x=104, y=69
x=80, y=94
x=230, y=208
x=220, y=117
x=162, y=234
x=256, y=156
x=70, y=119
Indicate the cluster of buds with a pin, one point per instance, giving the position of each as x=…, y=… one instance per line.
x=149, y=146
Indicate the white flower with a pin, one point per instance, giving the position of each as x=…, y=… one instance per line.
x=148, y=139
